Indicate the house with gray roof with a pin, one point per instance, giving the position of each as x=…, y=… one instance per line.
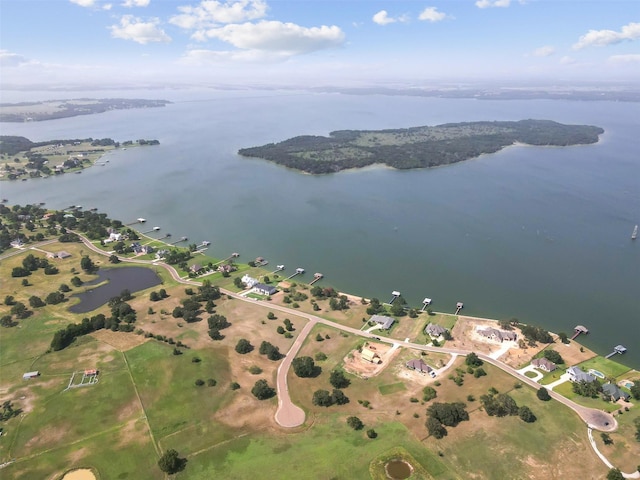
x=384, y=322
x=498, y=335
x=544, y=364
x=418, y=365
x=434, y=330
x=614, y=392
x=578, y=375
x=264, y=289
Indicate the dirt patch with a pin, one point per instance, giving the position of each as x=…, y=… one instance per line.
x=129, y=410
x=77, y=455
x=355, y=364
x=80, y=474
x=121, y=341
x=135, y=431
x=48, y=435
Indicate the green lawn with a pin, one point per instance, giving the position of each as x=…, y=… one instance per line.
x=565, y=390
x=390, y=388
x=328, y=450
x=606, y=366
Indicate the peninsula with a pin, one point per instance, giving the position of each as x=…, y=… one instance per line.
x=417, y=147
x=54, y=109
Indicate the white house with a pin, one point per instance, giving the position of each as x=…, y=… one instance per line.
x=249, y=281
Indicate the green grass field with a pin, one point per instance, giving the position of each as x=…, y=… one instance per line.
x=609, y=367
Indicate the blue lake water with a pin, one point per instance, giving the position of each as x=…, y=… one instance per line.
x=537, y=233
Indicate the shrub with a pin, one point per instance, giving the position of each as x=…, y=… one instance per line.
x=236, y=385
x=355, y=423
x=261, y=390
x=255, y=370
x=199, y=382
x=371, y=433
x=429, y=393
x=243, y=346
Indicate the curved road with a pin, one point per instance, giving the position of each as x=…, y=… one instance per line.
x=290, y=415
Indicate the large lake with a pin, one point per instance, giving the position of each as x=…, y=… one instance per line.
x=541, y=234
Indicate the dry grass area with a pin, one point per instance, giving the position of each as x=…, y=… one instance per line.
x=355, y=364
x=572, y=353
x=119, y=340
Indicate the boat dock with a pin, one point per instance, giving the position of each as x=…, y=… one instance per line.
x=182, y=239
x=617, y=349
x=299, y=271
x=578, y=329
x=138, y=220
x=154, y=229
x=425, y=303
x=634, y=234
x=395, y=294
x=316, y=277
x=459, y=306
x=279, y=268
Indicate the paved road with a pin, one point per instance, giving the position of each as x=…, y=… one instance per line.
x=290, y=415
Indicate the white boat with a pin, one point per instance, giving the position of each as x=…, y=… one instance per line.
x=634, y=235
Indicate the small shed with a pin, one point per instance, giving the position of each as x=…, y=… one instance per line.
x=30, y=375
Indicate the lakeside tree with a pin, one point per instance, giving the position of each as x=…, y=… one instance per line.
x=587, y=389
x=635, y=391
x=553, y=356
x=87, y=265
x=170, y=462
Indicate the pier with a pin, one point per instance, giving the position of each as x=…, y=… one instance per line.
x=425, y=303
x=578, y=329
x=279, y=268
x=617, y=349
x=182, y=239
x=299, y=271
x=459, y=306
x=395, y=294
x=138, y=220
x=316, y=277
x=154, y=229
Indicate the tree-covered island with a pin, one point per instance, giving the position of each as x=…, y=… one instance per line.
x=417, y=147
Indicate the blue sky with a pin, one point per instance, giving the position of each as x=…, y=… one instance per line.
x=349, y=42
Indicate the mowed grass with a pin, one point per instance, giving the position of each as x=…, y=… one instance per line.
x=166, y=384
x=328, y=450
x=609, y=367
x=565, y=389
x=391, y=388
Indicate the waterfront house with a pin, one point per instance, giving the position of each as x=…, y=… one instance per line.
x=195, y=268
x=263, y=289
x=498, y=335
x=419, y=366
x=384, y=322
x=434, y=330
x=578, y=375
x=544, y=364
x=615, y=393
x=226, y=268
x=249, y=281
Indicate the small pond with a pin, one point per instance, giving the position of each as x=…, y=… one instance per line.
x=118, y=279
x=398, y=469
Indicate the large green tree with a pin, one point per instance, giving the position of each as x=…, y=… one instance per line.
x=305, y=367
x=170, y=462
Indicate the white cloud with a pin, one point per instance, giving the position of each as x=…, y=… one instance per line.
x=284, y=39
x=567, y=60
x=84, y=3
x=200, y=57
x=136, y=3
x=432, y=14
x=8, y=59
x=383, y=18
x=212, y=13
x=545, y=51
x=600, y=38
x=107, y=6
x=627, y=58
x=132, y=28
x=492, y=3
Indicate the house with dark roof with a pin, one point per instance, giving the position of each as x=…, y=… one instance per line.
x=195, y=268
x=434, y=330
x=419, y=366
x=544, y=364
x=384, y=322
x=614, y=392
x=578, y=375
x=264, y=289
x=498, y=335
